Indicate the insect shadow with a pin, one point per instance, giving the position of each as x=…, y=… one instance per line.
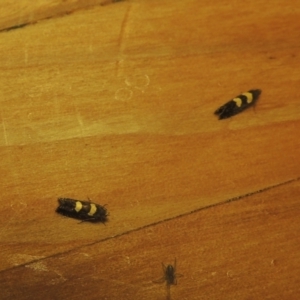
x=170, y=277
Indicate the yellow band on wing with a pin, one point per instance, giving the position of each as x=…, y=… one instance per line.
x=78, y=206
x=249, y=97
x=92, y=210
x=238, y=101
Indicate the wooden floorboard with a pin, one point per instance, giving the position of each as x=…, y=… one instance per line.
x=115, y=102
x=244, y=249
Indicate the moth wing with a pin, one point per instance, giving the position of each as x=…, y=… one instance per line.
x=227, y=110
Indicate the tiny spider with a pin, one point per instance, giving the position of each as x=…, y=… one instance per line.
x=170, y=275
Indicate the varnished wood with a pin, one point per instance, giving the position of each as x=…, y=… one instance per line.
x=16, y=14
x=245, y=249
x=115, y=103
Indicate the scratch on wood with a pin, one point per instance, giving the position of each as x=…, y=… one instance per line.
x=21, y=259
x=58, y=280
x=110, y=2
x=15, y=27
x=121, y=37
x=61, y=14
x=38, y=266
x=79, y=120
x=123, y=26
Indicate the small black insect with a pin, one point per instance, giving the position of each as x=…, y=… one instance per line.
x=238, y=104
x=170, y=276
x=82, y=210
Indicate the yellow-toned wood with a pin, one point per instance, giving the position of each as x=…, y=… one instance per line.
x=115, y=103
x=245, y=249
x=16, y=14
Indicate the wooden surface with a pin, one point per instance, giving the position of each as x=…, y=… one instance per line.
x=115, y=102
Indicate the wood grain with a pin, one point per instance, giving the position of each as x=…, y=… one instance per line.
x=245, y=249
x=18, y=14
x=115, y=103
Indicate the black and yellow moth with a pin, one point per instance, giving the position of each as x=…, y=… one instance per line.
x=237, y=104
x=82, y=210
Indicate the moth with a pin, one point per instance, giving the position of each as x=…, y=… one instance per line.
x=237, y=104
x=82, y=210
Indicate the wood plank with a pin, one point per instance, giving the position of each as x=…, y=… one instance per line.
x=116, y=103
x=246, y=249
x=18, y=14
